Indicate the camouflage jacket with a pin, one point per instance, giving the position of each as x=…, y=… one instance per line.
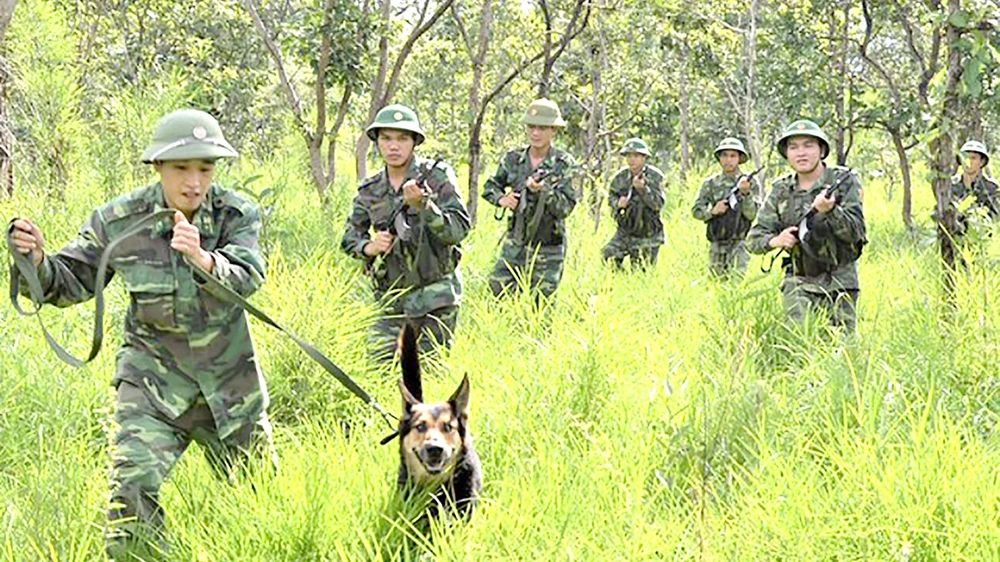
x=640, y=219
x=984, y=189
x=541, y=217
x=787, y=205
x=180, y=340
x=422, y=267
x=717, y=188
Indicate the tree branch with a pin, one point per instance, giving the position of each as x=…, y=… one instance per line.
x=404, y=51
x=265, y=34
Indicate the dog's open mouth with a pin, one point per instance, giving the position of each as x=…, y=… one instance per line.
x=433, y=463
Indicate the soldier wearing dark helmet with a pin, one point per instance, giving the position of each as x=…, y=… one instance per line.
x=187, y=370
x=814, y=215
x=636, y=199
x=406, y=225
x=727, y=205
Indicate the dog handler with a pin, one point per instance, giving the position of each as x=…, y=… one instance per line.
x=186, y=370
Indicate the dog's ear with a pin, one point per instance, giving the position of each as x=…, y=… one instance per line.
x=409, y=401
x=410, y=362
x=459, y=401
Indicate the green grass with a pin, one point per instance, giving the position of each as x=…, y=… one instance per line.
x=643, y=416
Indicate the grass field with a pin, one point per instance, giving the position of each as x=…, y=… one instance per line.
x=643, y=416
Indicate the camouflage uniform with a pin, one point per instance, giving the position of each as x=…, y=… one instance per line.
x=534, y=247
x=728, y=252
x=835, y=291
x=418, y=280
x=983, y=189
x=187, y=370
x=640, y=229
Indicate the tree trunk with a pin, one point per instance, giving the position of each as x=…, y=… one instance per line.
x=943, y=157
x=590, y=161
x=904, y=167
x=6, y=132
x=475, y=146
x=843, y=84
x=750, y=124
x=683, y=86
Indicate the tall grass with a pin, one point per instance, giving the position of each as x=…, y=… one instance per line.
x=655, y=415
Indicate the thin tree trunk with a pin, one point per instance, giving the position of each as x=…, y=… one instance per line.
x=478, y=65
x=904, y=167
x=751, y=126
x=840, y=106
x=944, y=158
x=593, y=123
x=683, y=86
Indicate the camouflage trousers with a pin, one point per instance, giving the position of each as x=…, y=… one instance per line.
x=436, y=328
x=840, y=306
x=538, y=267
x=147, y=446
x=641, y=253
x=728, y=257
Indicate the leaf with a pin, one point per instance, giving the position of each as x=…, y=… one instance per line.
x=959, y=19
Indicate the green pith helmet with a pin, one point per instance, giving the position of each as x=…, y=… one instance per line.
x=732, y=143
x=635, y=145
x=803, y=128
x=397, y=117
x=188, y=134
x=544, y=113
x=976, y=146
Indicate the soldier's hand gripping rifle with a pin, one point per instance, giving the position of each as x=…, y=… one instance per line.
x=622, y=211
x=831, y=191
x=522, y=201
x=803, y=227
x=397, y=220
x=733, y=197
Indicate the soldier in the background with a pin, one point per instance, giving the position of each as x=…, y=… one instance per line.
x=407, y=225
x=186, y=370
x=636, y=199
x=973, y=182
x=727, y=205
x=816, y=216
x=534, y=183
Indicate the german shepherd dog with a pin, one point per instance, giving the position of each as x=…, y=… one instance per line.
x=435, y=447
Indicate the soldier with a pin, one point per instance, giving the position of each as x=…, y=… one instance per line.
x=419, y=221
x=535, y=183
x=974, y=181
x=727, y=206
x=816, y=216
x=186, y=370
x=636, y=198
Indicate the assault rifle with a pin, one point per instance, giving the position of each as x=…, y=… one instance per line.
x=397, y=220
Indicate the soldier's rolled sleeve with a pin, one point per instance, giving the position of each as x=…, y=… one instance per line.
x=765, y=228
x=496, y=186
x=702, y=209
x=561, y=198
x=449, y=222
x=356, y=235
x=748, y=206
x=69, y=277
x=846, y=221
x=238, y=262
x=652, y=197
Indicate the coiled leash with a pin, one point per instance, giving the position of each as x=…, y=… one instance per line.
x=22, y=266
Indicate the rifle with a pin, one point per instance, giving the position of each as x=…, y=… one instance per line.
x=522, y=201
x=804, y=224
x=831, y=191
x=733, y=197
x=631, y=191
x=397, y=220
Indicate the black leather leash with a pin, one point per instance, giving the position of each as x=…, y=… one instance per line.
x=23, y=266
